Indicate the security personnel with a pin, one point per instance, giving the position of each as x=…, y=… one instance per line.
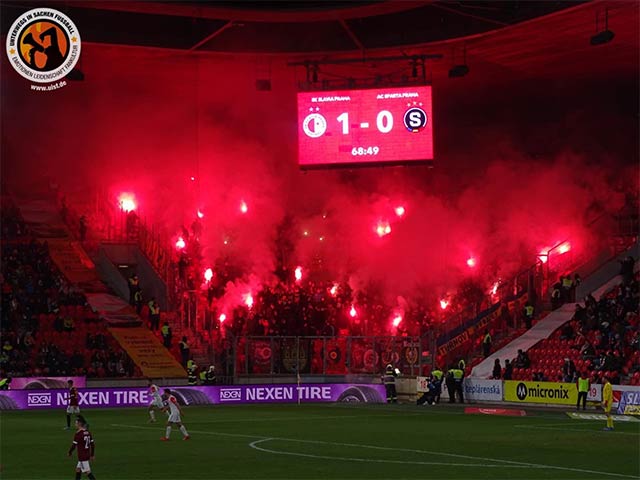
x=583, y=389
x=437, y=375
x=210, y=377
x=203, y=377
x=567, y=285
x=192, y=370
x=389, y=380
x=166, y=335
x=5, y=383
x=529, y=312
x=455, y=386
x=154, y=314
x=462, y=364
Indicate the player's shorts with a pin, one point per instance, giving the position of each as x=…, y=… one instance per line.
x=73, y=409
x=156, y=403
x=175, y=418
x=84, y=467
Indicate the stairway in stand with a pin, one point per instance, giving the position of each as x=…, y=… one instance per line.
x=198, y=345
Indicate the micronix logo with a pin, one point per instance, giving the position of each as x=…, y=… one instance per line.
x=39, y=400
x=521, y=391
x=230, y=394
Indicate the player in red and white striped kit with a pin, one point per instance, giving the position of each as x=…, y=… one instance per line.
x=83, y=441
x=156, y=401
x=175, y=416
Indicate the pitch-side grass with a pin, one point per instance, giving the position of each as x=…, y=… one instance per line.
x=323, y=442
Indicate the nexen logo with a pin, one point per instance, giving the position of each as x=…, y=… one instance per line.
x=230, y=395
x=39, y=400
x=522, y=392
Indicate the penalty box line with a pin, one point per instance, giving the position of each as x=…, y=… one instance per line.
x=375, y=447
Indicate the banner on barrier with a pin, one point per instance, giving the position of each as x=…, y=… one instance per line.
x=482, y=390
x=540, y=392
x=139, y=396
x=45, y=383
x=475, y=389
x=629, y=400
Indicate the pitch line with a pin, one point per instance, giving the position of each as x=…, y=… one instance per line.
x=304, y=419
x=375, y=447
x=581, y=430
x=255, y=446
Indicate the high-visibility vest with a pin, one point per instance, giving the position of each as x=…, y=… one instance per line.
x=583, y=384
x=165, y=330
x=437, y=374
x=154, y=309
x=137, y=296
x=389, y=377
x=567, y=282
x=190, y=364
x=3, y=383
x=528, y=310
x=487, y=338
x=203, y=375
x=457, y=374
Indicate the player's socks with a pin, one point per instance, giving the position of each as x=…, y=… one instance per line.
x=168, y=432
x=78, y=475
x=91, y=477
x=610, y=422
x=152, y=414
x=184, y=431
x=68, y=421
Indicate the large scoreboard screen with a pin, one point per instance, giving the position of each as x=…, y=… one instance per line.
x=365, y=127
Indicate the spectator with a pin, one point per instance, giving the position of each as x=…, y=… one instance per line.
x=82, y=228
x=497, y=370
x=626, y=270
x=568, y=371
x=134, y=286
x=522, y=360
x=556, y=295
x=486, y=344
x=508, y=370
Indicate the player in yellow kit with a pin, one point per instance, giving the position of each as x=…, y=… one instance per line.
x=607, y=401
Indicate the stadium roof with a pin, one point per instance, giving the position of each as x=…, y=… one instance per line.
x=527, y=38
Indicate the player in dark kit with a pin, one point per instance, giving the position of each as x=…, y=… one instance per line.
x=86, y=448
x=72, y=403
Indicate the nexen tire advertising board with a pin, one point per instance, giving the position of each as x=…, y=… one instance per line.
x=540, y=392
x=139, y=396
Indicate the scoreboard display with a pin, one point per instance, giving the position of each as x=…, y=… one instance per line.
x=365, y=127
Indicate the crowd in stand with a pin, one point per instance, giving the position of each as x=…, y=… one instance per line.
x=47, y=327
x=602, y=338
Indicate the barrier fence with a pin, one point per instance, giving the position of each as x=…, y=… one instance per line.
x=626, y=398
x=320, y=355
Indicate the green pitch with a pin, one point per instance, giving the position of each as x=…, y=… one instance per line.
x=324, y=442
